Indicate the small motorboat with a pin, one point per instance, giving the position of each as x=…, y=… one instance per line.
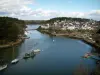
x=36, y=51
x=3, y=67
x=26, y=33
x=14, y=61
x=27, y=55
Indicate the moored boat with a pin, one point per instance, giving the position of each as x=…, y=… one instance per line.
x=2, y=67
x=26, y=33
x=36, y=51
x=31, y=54
x=14, y=61
x=27, y=55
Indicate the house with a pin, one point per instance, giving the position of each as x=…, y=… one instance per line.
x=46, y=26
x=71, y=27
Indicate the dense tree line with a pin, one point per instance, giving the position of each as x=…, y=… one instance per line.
x=10, y=29
x=34, y=21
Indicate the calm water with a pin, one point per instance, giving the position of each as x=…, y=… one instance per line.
x=59, y=57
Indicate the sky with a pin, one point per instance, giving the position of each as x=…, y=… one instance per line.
x=46, y=9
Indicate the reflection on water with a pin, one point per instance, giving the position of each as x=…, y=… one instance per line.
x=59, y=57
x=9, y=53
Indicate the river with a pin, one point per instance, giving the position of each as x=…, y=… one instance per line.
x=58, y=56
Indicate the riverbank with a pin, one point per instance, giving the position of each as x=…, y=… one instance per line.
x=85, y=36
x=10, y=44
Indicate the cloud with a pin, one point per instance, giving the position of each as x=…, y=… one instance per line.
x=15, y=7
x=20, y=9
x=40, y=13
x=94, y=13
x=52, y=13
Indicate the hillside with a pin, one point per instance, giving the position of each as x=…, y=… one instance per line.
x=64, y=23
x=10, y=29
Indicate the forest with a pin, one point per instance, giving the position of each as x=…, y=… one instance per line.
x=34, y=21
x=10, y=29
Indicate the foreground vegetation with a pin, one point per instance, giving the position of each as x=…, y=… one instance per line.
x=11, y=29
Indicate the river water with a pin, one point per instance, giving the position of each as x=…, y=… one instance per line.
x=58, y=56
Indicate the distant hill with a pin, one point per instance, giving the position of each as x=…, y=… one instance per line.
x=71, y=23
x=34, y=21
x=68, y=18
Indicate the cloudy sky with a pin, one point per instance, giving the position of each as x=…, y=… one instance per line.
x=46, y=9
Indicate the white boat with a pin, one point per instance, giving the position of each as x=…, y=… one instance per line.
x=26, y=33
x=37, y=50
x=3, y=67
x=14, y=61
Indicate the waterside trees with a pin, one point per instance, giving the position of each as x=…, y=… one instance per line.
x=10, y=29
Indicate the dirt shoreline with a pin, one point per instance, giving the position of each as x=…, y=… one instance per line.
x=11, y=44
x=87, y=40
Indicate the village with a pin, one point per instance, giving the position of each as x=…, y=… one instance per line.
x=71, y=25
